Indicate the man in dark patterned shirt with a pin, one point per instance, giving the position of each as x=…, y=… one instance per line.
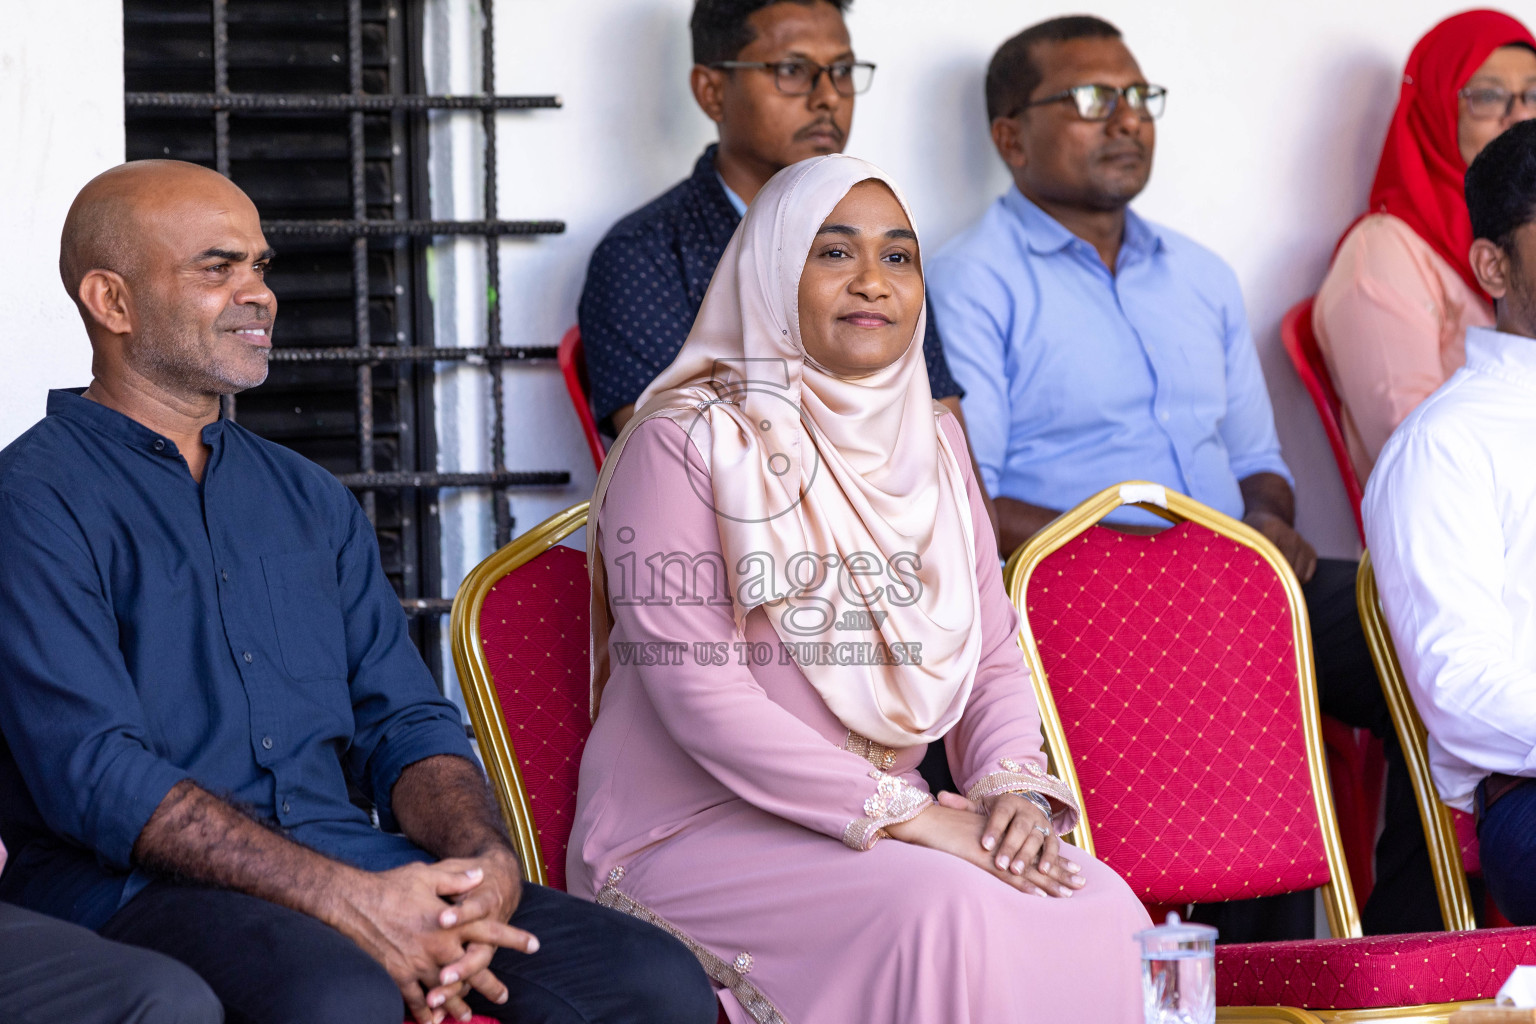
x=778, y=77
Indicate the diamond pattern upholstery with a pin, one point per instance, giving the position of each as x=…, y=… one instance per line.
x=1384, y=970
x=1172, y=663
x=534, y=634
x=533, y=630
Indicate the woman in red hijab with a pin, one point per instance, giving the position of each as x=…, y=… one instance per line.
x=1392, y=312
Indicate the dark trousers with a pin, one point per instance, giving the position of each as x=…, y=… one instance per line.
x=1403, y=899
x=52, y=971
x=1506, y=842
x=272, y=965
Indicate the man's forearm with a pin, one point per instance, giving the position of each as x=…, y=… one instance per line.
x=444, y=806
x=1268, y=494
x=1020, y=521
x=1269, y=506
x=1017, y=521
x=197, y=836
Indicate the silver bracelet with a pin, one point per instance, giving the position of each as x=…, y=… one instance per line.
x=1041, y=802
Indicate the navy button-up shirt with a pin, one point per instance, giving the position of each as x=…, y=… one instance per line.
x=239, y=632
x=647, y=280
x=1077, y=378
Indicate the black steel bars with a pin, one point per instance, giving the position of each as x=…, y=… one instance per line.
x=221, y=85
x=502, y=510
x=358, y=153
x=324, y=104
x=387, y=230
x=417, y=575
x=500, y=478
x=220, y=12
x=365, y=228
x=421, y=353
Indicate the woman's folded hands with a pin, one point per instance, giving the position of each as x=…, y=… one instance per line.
x=1007, y=836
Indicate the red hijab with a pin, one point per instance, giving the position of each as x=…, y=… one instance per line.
x=1421, y=176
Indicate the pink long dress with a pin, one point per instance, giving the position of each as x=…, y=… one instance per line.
x=723, y=802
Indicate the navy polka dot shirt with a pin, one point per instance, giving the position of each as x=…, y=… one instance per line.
x=647, y=280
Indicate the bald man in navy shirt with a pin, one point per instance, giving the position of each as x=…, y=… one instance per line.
x=202, y=654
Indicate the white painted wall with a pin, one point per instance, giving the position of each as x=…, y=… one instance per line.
x=61, y=124
x=1275, y=118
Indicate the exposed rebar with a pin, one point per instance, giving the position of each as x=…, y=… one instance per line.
x=502, y=478
x=419, y=228
x=358, y=152
x=326, y=104
x=220, y=12
x=499, y=497
x=425, y=354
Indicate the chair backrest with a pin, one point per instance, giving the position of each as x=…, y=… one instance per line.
x=573, y=367
x=1300, y=343
x=1450, y=857
x=1174, y=675
x=520, y=643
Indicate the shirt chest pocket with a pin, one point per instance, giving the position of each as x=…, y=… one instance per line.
x=306, y=614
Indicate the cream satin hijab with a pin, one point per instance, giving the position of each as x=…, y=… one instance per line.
x=801, y=461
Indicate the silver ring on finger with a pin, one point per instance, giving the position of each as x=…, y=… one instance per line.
x=1044, y=832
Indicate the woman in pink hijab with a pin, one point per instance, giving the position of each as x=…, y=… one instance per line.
x=795, y=591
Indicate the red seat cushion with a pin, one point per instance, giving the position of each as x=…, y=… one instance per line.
x=1379, y=970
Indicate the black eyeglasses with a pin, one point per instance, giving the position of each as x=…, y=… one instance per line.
x=800, y=77
x=1491, y=104
x=1099, y=102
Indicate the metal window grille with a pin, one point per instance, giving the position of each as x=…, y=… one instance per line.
x=317, y=108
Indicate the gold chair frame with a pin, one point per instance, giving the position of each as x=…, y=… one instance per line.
x=479, y=688
x=496, y=747
x=1427, y=1013
x=1439, y=827
x=1338, y=897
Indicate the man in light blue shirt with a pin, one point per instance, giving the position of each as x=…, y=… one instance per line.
x=1095, y=347
x=1144, y=372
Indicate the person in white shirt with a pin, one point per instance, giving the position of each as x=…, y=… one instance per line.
x=1448, y=518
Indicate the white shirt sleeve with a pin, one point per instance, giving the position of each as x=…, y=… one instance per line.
x=1436, y=536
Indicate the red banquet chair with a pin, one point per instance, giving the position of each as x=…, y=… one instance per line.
x=520, y=645
x=1301, y=346
x=520, y=641
x=1356, y=764
x=1452, y=834
x=573, y=367
x=1174, y=675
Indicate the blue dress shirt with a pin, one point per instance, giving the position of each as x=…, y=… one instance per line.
x=240, y=633
x=1076, y=378
x=647, y=280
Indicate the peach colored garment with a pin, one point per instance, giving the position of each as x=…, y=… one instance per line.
x=1391, y=319
x=720, y=797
